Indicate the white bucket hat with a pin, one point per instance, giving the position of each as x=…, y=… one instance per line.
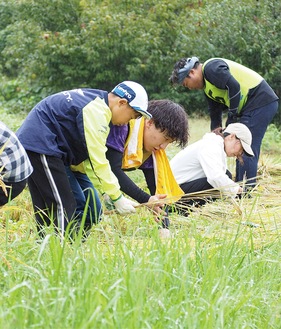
x=243, y=133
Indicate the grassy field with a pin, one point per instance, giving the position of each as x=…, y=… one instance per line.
x=220, y=268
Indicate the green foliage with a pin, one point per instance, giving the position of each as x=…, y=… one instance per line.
x=52, y=15
x=55, y=45
x=6, y=13
x=15, y=99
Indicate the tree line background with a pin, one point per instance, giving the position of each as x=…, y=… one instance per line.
x=54, y=45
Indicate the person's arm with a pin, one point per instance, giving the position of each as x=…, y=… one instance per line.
x=126, y=184
x=131, y=189
x=150, y=179
x=96, y=117
x=234, y=94
x=14, y=162
x=215, y=112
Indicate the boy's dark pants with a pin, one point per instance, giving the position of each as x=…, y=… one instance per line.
x=52, y=197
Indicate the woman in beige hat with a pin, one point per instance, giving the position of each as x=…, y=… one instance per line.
x=203, y=165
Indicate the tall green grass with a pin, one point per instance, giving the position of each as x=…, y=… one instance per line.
x=120, y=279
x=216, y=271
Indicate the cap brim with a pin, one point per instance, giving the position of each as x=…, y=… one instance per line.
x=181, y=79
x=146, y=114
x=247, y=149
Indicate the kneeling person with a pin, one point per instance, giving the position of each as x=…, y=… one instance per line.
x=203, y=165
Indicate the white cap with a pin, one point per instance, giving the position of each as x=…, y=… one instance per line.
x=135, y=95
x=243, y=133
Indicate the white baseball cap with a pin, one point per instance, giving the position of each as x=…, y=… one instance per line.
x=243, y=133
x=135, y=95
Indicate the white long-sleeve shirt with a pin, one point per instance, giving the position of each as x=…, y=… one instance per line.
x=204, y=158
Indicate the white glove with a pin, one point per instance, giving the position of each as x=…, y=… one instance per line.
x=124, y=205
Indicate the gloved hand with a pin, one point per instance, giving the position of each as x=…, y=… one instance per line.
x=124, y=205
x=109, y=204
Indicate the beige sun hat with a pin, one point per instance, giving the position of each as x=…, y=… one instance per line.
x=243, y=133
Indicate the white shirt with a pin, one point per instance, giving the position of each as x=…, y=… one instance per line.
x=204, y=158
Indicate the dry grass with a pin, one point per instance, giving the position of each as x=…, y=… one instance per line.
x=259, y=214
x=254, y=220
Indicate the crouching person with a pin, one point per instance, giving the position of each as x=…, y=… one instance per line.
x=202, y=165
x=15, y=166
x=69, y=128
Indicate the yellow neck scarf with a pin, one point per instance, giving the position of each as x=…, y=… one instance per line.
x=133, y=151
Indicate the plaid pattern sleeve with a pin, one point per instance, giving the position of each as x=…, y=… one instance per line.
x=14, y=162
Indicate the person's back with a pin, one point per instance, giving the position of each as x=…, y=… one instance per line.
x=56, y=123
x=194, y=161
x=186, y=165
